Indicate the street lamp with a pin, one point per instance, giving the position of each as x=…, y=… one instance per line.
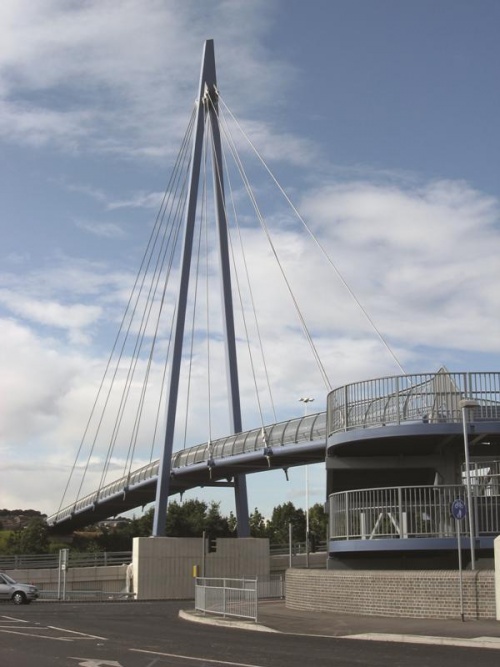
x=306, y=400
x=467, y=404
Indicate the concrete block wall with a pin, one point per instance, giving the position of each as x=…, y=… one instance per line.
x=414, y=594
x=107, y=578
x=162, y=567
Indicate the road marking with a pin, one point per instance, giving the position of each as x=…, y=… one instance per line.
x=16, y=627
x=190, y=657
x=29, y=634
x=92, y=662
x=13, y=629
x=85, y=635
x=17, y=620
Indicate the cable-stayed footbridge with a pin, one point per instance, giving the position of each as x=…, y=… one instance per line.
x=284, y=445
x=203, y=240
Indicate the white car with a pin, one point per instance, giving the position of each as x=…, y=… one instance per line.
x=18, y=593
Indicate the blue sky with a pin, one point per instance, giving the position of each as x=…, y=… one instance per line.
x=378, y=117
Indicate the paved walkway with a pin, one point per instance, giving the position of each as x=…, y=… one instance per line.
x=274, y=616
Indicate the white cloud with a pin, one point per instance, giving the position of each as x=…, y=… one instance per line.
x=108, y=81
x=119, y=79
x=108, y=230
x=422, y=261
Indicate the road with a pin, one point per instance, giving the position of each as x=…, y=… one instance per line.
x=150, y=634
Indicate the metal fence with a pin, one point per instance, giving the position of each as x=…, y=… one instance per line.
x=227, y=597
x=236, y=597
x=84, y=595
x=402, y=512
x=75, y=559
x=424, y=397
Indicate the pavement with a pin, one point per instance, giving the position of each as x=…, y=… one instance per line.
x=274, y=616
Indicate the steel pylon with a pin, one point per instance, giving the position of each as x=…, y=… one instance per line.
x=207, y=106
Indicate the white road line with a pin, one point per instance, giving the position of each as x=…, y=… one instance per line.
x=16, y=627
x=192, y=658
x=27, y=634
x=11, y=618
x=74, y=632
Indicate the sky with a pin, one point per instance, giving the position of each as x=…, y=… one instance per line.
x=379, y=118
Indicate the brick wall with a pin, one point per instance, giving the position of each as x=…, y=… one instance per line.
x=415, y=594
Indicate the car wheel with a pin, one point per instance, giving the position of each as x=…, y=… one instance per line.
x=19, y=598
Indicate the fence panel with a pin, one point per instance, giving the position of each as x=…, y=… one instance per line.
x=227, y=597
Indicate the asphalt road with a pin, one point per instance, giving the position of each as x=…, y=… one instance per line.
x=150, y=634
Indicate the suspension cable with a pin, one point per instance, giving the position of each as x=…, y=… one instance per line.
x=217, y=168
x=124, y=328
x=265, y=228
x=317, y=242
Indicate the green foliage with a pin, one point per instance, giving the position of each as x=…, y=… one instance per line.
x=232, y=522
x=4, y=540
x=193, y=517
x=318, y=524
x=258, y=525
x=32, y=539
x=281, y=517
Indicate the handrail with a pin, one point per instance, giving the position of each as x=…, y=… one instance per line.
x=422, y=397
x=309, y=428
x=411, y=511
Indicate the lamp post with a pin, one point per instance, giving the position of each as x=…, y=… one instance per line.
x=469, y=404
x=306, y=400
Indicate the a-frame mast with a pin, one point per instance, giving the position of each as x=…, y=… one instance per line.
x=207, y=105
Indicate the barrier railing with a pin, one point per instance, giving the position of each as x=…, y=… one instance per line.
x=236, y=597
x=423, y=397
x=43, y=561
x=227, y=597
x=404, y=511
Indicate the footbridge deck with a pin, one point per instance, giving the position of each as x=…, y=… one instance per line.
x=282, y=445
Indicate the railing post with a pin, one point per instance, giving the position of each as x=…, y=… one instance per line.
x=347, y=522
x=362, y=525
x=346, y=411
x=398, y=418
x=400, y=511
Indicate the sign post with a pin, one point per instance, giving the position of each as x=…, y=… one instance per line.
x=459, y=512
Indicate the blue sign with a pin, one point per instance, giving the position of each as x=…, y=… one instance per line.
x=459, y=509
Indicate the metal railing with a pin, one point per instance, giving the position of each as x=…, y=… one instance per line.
x=310, y=428
x=227, y=597
x=424, y=397
x=236, y=597
x=402, y=512
x=97, y=595
x=46, y=561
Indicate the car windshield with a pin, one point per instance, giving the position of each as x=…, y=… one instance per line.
x=8, y=579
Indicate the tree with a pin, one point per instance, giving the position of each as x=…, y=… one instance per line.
x=186, y=519
x=32, y=539
x=258, y=525
x=216, y=525
x=318, y=523
x=281, y=517
x=232, y=522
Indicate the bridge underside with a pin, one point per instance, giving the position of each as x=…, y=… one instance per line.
x=219, y=473
x=391, y=488
x=406, y=454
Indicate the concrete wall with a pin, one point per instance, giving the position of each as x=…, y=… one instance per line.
x=107, y=579
x=163, y=566
x=415, y=594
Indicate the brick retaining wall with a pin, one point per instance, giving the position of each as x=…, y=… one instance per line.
x=415, y=594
